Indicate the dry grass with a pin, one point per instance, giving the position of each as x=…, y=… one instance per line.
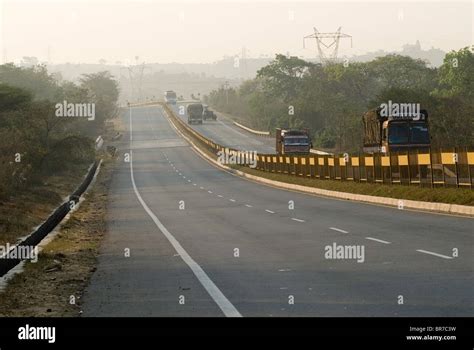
x=65, y=265
x=29, y=208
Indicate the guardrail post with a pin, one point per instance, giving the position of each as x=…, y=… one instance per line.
x=418, y=164
x=468, y=168
x=442, y=168
x=431, y=168
x=358, y=167
x=456, y=168
x=382, y=170
x=409, y=173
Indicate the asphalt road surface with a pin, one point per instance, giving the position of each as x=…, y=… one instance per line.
x=187, y=239
x=224, y=132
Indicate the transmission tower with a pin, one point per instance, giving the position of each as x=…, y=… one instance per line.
x=332, y=46
x=135, y=74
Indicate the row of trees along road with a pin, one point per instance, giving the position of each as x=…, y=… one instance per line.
x=34, y=142
x=330, y=99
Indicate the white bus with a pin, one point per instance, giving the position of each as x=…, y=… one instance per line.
x=170, y=97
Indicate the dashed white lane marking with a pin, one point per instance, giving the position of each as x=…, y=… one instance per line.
x=224, y=304
x=220, y=196
x=131, y=130
x=435, y=254
x=189, y=180
x=184, y=177
x=248, y=206
x=269, y=211
x=209, y=191
x=338, y=229
x=180, y=174
x=283, y=288
x=194, y=185
x=284, y=270
x=201, y=188
x=378, y=240
x=232, y=200
x=299, y=220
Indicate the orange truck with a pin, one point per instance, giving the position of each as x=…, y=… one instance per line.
x=385, y=133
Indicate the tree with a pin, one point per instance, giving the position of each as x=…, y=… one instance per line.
x=35, y=80
x=282, y=77
x=13, y=98
x=395, y=71
x=30, y=129
x=330, y=99
x=102, y=89
x=456, y=74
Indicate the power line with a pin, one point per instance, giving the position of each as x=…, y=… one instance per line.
x=135, y=74
x=331, y=47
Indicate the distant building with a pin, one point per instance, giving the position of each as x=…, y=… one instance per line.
x=434, y=57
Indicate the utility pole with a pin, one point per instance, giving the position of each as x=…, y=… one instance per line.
x=226, y=88
x=333, y=44
x=243, y=64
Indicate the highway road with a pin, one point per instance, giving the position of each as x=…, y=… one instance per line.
x=187, y=239
x=224, y=132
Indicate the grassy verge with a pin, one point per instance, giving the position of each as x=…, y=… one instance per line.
x=65, y=265
x=438, y=195
x=28, y=208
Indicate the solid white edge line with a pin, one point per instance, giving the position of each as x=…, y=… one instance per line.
x=338, y=229
x=435, y=254
x=131, y=130
x=377, y=240
x=224, y=304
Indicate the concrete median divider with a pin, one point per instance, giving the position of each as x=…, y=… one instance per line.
x=252, y=131
x=34, y=238
x=199, y=142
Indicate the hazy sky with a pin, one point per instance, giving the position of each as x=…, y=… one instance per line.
x=203, y=31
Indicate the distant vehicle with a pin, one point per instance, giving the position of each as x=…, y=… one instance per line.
x=194, y=111
x=208, y=113
x=404, y=132
x=170, y=97
x=293, y=141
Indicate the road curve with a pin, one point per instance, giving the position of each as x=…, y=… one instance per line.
x=224, y=132
x=217, y=233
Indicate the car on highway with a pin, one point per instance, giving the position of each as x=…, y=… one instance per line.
x=208, y=113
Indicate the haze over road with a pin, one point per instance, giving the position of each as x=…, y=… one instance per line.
x=281, y=252
x=224, y=132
